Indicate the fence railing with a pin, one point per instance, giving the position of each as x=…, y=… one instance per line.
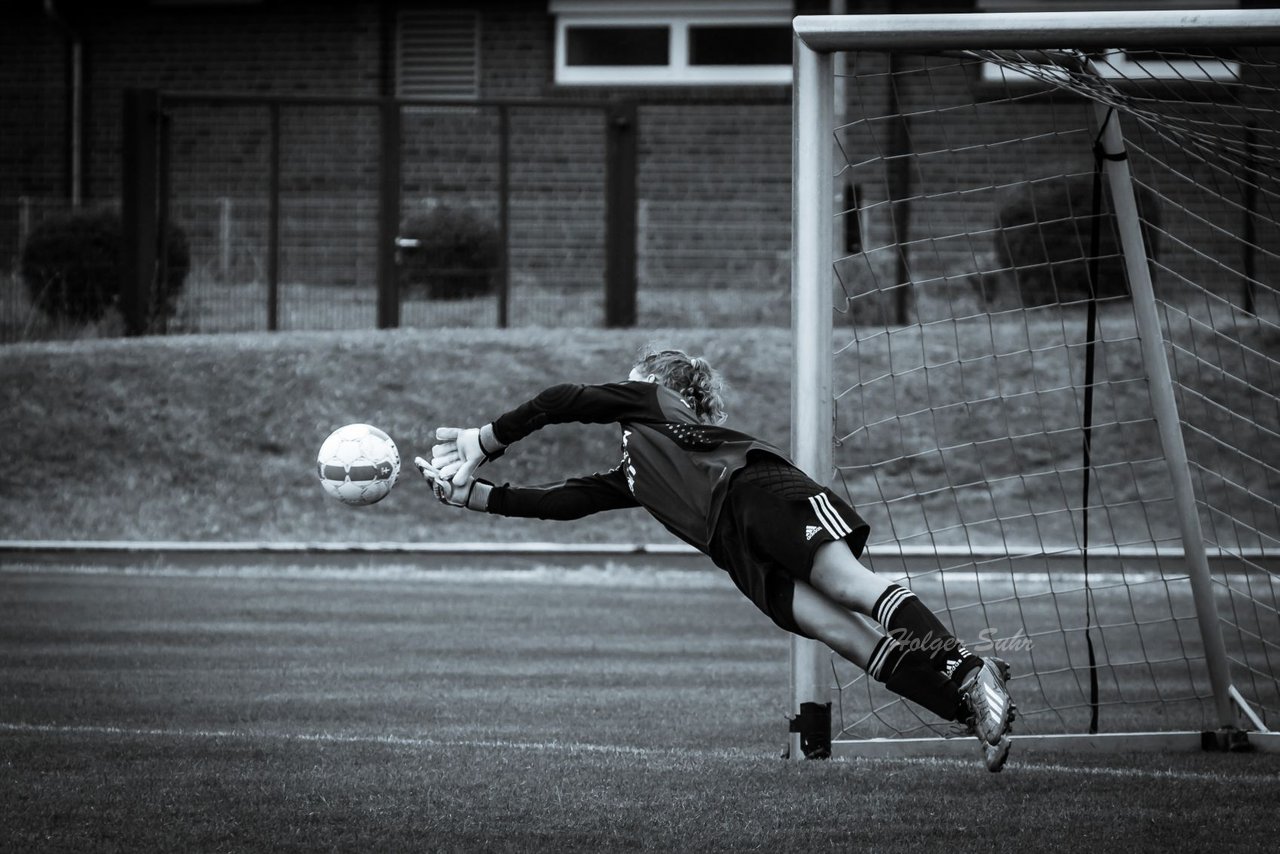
x=335, y=173
x=292, y=211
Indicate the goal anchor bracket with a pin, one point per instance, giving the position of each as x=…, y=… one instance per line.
x=812, y=729
x=1226, y=740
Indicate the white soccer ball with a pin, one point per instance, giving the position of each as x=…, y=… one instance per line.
x=358, y=464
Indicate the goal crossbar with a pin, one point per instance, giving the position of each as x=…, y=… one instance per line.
x=1035, y=30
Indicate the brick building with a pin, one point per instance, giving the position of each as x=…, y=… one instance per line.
x=713, y=151
x=712, y=177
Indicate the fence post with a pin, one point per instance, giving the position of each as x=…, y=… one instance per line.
x=273, y=221
x=139, y=206
x=504, y=216
x=224, y=238
x=620, y=215
x=158, y=310
x=389, y=215
x=24, y=221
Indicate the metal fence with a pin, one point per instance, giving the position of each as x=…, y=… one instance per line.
x=299, y=212
x=291, y=211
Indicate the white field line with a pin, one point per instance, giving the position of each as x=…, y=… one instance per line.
x=884, y=551
x=426, y=742
x=605, y=574
x=1096, y=771
x=338, y=738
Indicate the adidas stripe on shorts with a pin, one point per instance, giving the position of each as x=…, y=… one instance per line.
x=774, y=518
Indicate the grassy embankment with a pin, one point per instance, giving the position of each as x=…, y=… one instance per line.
x=213, y=437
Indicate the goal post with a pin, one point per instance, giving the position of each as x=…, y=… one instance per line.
x=811, y=332
x=1036, y=326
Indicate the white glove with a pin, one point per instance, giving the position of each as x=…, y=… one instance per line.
x=462, y=450
x=472, y=494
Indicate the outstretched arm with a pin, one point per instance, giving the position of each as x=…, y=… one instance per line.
x=569, y=499
x=463, y=450
x=584, y=404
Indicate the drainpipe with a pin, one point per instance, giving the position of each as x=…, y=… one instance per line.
x=75, y=99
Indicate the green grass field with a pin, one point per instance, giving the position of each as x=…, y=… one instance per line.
x=241, y=708
x=377, y=707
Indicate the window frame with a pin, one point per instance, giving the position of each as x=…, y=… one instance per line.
x=678, y=71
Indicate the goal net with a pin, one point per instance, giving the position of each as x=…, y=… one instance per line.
x=1037, y=333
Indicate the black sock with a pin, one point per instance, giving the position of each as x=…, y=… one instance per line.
x=914, y=626
x=885, y=659
x=911, y=675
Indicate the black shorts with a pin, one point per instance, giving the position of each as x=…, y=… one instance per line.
x=774, y=518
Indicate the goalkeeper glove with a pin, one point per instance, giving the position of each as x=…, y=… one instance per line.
x=463, y=450
x=472, y=494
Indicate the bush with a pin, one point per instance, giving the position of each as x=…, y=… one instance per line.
x=1044, y=234
x=72, y=266
x=458, y=252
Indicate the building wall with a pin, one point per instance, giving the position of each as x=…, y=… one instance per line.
x=713, y=174
x=33, y=122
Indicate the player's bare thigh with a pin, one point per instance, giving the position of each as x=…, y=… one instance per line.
x=838, y=575
x=851, y=635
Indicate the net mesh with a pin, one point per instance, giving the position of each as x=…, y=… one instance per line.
x=974, y=241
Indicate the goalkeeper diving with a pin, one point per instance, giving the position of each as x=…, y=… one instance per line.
x=790, y=545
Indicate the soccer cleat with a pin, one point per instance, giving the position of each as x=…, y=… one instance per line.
x=991, y=710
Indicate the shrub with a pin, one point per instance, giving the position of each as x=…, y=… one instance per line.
x=457, y=254
x=71, y=265
x=1044, y=234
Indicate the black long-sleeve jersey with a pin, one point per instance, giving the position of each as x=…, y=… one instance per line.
x=673, y=466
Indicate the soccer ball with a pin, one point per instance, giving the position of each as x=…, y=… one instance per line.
x=358, y=464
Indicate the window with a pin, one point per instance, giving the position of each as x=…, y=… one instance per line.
x=1200, y=64
x=588, y=46
x=739, y=45
x=672, y=42
x=1191, y=65
x=438, y=54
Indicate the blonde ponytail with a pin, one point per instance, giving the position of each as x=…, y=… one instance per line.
x=699, y=384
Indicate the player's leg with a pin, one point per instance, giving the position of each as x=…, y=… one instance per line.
x=851, y=635
x=839, y=575
x=857, y=639
x=778, y=516
x=980, y=684
x=813, y=533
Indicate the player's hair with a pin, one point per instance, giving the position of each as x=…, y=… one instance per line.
x=691, y=377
